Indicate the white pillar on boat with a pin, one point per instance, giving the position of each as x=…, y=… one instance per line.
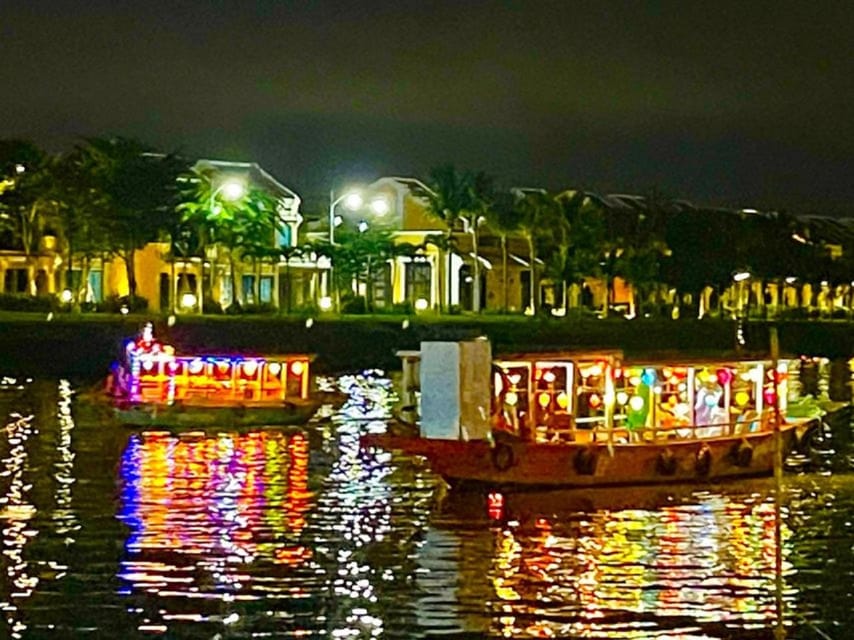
x=455, y=389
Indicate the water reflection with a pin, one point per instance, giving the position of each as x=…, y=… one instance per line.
x=701, y=566
x=295, y=533
x=211, y=504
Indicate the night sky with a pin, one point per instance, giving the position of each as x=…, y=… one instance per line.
x=744, y=104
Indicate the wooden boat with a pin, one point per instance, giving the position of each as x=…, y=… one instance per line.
x=585, y=419
x=152, y=386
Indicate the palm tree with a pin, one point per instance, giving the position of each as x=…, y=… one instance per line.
x=139, y=192
x=235, y=227
x=502, y=218
x=457, y=197
x=23, y=197
x=536, y=210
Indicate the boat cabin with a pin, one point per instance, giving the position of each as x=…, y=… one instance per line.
x=592, y=396
x=151, y=372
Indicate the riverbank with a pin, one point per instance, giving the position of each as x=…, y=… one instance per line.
x=84, y=345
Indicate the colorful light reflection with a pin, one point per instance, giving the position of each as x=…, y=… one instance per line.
x=710, y=565
x=198, y=507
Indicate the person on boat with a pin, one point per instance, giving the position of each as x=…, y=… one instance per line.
x=708, y=412
x=146, y=342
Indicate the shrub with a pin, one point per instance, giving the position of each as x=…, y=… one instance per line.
x=115, y=304
x=267, y=308
x=212, y=306
x=24, y=302
x=404, y=307
x=355, y=304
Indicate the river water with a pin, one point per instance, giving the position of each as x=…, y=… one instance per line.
x=114, y=533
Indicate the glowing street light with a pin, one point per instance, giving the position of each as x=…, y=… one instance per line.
x=741, y=276
x=353, y=201
x=231, y=190
x=379, y=206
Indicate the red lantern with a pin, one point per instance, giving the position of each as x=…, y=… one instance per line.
x=724, y=377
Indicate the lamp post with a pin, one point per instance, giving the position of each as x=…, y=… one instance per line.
x=352, y=200
x=741, y=278
x=231, y=190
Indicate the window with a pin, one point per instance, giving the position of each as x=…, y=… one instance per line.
x=266, y=293
x=283, y=236
x=248, y=283
x=417, y=281
x=15, y=281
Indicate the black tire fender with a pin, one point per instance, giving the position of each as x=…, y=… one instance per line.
x=502, y=456
x=665, y=463
x=744, y=456
x=585, y=462
x=703, y=464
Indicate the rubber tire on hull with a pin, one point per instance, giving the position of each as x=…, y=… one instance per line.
x=502, y=457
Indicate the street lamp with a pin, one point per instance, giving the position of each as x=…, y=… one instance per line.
x=231, y=190
x=353, y=201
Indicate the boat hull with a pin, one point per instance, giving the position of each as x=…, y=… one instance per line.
x=189, y=416
x=515, y=462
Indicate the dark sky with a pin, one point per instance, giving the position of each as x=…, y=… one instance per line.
x=733, y=103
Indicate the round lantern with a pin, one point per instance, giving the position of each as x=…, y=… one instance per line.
x=250, y=367
x=724, y=376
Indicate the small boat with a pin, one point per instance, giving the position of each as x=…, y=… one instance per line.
x=589, y=419
x=153, y=386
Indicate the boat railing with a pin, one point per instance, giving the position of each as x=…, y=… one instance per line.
x=623, y=434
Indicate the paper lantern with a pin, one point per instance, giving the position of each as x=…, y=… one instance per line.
x=622, y=398
x=562, y=400
x=297, y=367
x=724, y=376
x=594, y=401
x=511, y=398
x=637, y=403
x=741, y=398
x=544, y=400
x=250, y=368
x=648, y=377
x=275, y=368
